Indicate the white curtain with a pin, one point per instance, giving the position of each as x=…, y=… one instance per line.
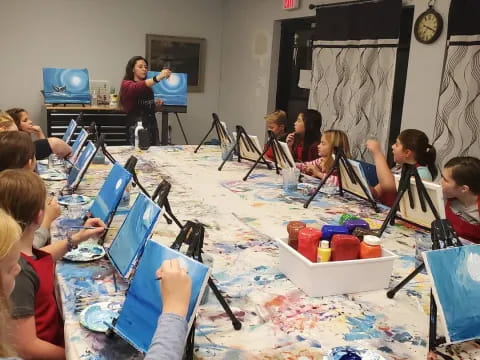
x=457, y=125
x=352, y=88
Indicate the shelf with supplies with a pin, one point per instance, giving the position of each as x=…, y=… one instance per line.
x=111, y=121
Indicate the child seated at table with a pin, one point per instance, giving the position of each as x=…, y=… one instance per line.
x=17, y=152
x=461, y=189
x=304, y=140
x=6, y=122
x=320, y=167
x=276, y=123
x=44, y=147
x=37, y=327
x=176, y=286
x=9, y=254
x=411, y=147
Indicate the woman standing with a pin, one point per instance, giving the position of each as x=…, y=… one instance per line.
x=136, y=96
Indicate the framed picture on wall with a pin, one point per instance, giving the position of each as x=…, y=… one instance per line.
x=179, y=54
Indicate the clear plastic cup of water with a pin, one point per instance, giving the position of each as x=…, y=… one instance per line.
x=290, y=179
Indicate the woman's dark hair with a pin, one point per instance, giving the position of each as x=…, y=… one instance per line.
x=312, y=121
x=130, y=65
x=465, y=171
x=417, y=142
x=15, y=114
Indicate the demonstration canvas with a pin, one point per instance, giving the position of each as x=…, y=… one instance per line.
x=66, y=86
x=111, y=193
x=172, y=91
x=415, y=214
x=127, y=246
x=455, y=275
x=80, y=167
x=143, y=304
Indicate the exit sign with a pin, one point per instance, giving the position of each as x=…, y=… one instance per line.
x=290, y=4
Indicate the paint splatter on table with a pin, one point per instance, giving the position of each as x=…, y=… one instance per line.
x=243, y=219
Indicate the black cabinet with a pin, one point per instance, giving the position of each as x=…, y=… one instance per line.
x=111, y=122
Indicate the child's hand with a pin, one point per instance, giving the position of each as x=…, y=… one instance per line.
x=373, y=146
x=290, y=139
x=37, y=130
x=86, y=234
x=176, y=287
x=52, y=209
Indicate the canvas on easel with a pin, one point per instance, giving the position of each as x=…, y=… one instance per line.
x=249, y=150
x=411, y=210
x=78, y=144
x=138, y=318
x=129, y=242
x=455, y=277
x=69, y=132
x=282, y=149
x=111, y=193
x=347, y=183
x=77, y=171
x=66, y=86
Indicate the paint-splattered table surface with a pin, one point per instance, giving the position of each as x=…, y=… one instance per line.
x=244, y=219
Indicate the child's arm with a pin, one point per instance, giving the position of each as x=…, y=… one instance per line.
x=169, y=340
x=59, y=147
x=386, y=181
x=60, y=248
x=29, y=346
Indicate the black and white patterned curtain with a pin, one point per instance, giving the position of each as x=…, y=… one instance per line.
x=457, y=124
x=353, y=68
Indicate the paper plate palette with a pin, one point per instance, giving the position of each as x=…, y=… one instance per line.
x=351, y=353
x=73, y=199
x=85, y=252
x=53, y=175
x=98, y=317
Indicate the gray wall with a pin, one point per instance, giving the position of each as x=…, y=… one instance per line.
x=249, y=66
x=101, y=35
x=242, y=53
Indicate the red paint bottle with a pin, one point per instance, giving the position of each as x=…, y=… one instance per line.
x=308, y=239
x=293, y=228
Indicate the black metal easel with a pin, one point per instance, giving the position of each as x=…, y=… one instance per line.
x=278, y=154
x=221, y=132
x=341, y=159
x=193, y=235
x=244, y=139
x=130, y=167
x=160, y=195
x=442, y=234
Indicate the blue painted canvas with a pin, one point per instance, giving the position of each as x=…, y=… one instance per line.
x=143, y=304
x=111, y=193
x=78, y=144
x=81, y=165
x=66, y=86
x=69, y=132
x=173, y=91
x=128, y=244
x=455, y=274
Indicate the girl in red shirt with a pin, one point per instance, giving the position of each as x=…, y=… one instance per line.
x=304, y=140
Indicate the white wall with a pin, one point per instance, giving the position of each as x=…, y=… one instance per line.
x=249, y=69
x=102, y=35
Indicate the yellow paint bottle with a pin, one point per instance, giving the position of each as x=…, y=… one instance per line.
x=324, y=251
